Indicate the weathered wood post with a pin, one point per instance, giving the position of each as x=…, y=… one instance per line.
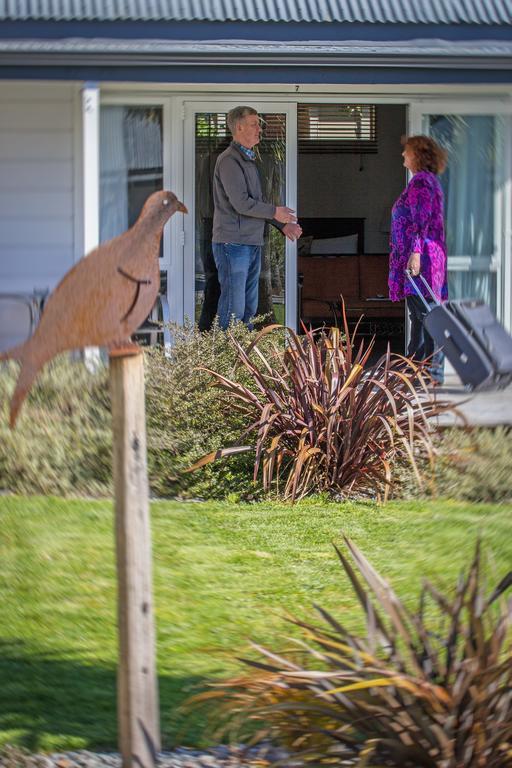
x=137, y=687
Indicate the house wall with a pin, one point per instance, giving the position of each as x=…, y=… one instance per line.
x=37, y=184
x=358, y=185
x=41, y=206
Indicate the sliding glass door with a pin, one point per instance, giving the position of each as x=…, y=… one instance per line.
x=206, y=136
x=476, y=185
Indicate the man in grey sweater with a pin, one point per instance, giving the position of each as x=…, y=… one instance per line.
x=239, y=219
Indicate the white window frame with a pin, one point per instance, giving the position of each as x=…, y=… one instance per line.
x=501, y=262
x=172, y=251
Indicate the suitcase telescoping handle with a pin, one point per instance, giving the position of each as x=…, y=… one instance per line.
x=419, y=293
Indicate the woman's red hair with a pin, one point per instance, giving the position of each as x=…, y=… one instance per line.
x=428, y=155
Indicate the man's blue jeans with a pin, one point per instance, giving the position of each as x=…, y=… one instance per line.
x=239, y=269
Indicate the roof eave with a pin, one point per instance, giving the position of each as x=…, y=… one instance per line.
x=436, y=61
x=419, y=53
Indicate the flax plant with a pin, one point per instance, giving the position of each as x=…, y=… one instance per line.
x=326, y=420
x=430, y=689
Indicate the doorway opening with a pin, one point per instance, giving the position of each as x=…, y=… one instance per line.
x=350, y=173
x=211, y=138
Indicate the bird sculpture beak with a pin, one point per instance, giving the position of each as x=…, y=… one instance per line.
x=181, y=207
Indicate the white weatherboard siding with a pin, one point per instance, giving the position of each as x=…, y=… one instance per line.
x=37, y=184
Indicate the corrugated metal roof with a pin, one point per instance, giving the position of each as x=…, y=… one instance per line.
x=479, y=12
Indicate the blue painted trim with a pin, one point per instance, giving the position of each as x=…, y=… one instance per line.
x=268, y=31
x=281, y=75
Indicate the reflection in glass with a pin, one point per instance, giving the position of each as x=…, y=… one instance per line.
x=213, y=137
x=469, y=184
x=131, y=165
x=131, y=169
x=473, y=284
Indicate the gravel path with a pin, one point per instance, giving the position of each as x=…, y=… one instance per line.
x=217, y=757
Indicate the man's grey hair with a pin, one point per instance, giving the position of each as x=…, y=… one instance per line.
x=236, y=114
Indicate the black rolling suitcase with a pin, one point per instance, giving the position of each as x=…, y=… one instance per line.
x=477, y=316
x=475, y=343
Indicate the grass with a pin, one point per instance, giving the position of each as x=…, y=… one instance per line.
x=223, y=574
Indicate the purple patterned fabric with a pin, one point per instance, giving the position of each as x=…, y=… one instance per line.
x=417, y=226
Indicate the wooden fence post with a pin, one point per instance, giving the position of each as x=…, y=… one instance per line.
x=137, y=688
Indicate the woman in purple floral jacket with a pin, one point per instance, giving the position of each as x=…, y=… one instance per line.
x=418, y=244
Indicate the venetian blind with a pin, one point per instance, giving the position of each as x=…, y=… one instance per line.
x=334, y=128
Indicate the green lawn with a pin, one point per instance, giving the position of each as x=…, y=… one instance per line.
x=223, y=574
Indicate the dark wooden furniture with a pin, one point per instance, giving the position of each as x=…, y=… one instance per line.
x=321, y=228
x=361, y=278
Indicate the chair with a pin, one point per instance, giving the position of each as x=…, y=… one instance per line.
x=157, y=323
x=20, y=312
x=158, y=320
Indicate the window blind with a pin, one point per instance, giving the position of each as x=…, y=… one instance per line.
x=334, y=128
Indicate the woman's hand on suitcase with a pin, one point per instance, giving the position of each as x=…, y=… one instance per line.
x=414, y=264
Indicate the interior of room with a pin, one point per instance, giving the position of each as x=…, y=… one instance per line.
x=350, y=172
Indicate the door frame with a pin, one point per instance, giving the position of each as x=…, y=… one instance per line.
x=193, y=106
x=177, y=166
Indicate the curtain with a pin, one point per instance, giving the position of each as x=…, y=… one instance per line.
x=131, y=164
x=469, y=185
x=473, y=285
x=113, y=173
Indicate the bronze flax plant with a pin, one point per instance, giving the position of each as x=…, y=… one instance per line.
x=324, y=419
x=415, y=692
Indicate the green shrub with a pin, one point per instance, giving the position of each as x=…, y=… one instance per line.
x=475, y=465
x=187, y=415
x=429, y=688
x=62, y=443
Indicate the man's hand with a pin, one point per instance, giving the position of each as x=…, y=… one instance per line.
x=292, y=231
x=414, y=264
x=285, y=215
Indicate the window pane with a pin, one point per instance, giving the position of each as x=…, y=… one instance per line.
x=335, y=128
x=473, y=284
x=468, y=181
x=212, y=138
x=470, y=184
x=131, y=165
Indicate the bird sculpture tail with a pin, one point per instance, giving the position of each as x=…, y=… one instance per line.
x=15, y=353
x=26, y=377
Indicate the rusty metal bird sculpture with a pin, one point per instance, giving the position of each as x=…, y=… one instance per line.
x=102, y=300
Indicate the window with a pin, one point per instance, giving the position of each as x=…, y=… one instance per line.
x=333, y=128
x=131, y=164
x=470, y=184
x=212, y=132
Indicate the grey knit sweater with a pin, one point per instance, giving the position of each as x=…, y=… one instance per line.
x=240, y=212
